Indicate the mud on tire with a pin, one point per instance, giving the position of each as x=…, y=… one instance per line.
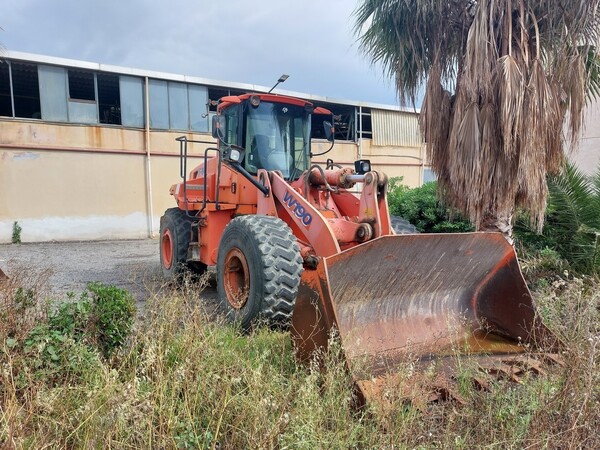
x=175, y=235
x=258, y=271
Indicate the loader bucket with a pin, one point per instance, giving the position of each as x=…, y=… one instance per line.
x=421, y=296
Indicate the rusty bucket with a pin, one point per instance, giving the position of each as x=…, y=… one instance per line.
x=425, y=296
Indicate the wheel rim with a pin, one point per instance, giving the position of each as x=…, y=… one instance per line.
x=236, y=278
x=167, y=249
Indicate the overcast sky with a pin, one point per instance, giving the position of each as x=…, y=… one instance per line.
x=233, y=40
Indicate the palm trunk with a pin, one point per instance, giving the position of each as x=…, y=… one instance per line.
x=501, y=223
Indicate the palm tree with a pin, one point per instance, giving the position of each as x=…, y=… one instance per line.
x=573, y=221
x=502, y=79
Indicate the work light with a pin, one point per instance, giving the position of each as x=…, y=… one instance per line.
x=235, y=154
x=362, y=166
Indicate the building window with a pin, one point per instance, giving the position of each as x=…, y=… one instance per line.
x=109, y=99
x=365, y=127
x=179, y=112
x=26, y=90
x=81, y=85
x=344, y=117
x=82, y=97
x=159, y=104
x=5, y=97
x=53, y=93
x=214, y=95
x=132, y=101
x=59, y=94
x=428, y=175
x=198, y=100
x=178, y=106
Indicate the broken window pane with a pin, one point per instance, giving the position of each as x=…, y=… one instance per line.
x=5, y=97
x=81, y=85
x=109, y=99
x=26, y=90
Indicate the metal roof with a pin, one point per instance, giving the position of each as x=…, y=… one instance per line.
x=52, y=60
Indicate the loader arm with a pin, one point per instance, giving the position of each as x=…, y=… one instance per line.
x=306, y=221
x=327, y=222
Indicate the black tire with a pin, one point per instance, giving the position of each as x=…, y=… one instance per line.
x=402, y=226
x=258, y=271
x=175, y=236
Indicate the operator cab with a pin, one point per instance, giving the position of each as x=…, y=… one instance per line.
x=274, y=131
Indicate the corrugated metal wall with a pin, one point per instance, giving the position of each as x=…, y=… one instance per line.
x=393, y=128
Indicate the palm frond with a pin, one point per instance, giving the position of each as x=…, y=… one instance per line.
x=592, y=68
x=525, y=64
x=573, y=218
x=510, y=87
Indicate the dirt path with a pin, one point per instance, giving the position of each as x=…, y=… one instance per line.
x=129, y=264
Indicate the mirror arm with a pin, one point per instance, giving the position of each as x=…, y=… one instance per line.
x=250, y=178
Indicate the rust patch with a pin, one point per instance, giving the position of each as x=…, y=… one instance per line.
x=426, y=298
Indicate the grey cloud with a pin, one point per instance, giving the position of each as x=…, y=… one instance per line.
x=235, y=40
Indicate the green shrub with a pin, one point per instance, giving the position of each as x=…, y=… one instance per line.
x=572, y=225
x=71, y=318
x=16, y=233
x=75, y=333
x=543, y=267
x=53, y=355
x=112, y=311
x=99, y=321
x=50, y=343
x=421, y=207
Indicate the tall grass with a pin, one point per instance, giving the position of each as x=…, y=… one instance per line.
x=184, y=380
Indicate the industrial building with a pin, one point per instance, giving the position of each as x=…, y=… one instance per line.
x=88, y=151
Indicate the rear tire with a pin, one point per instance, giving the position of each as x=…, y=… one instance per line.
x=258, y=271
x=175, y=236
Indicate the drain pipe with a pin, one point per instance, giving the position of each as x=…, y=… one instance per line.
x=422, y=171
x=148, y=165
x=360, y=131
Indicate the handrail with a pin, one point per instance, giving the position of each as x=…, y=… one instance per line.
x=183, y=153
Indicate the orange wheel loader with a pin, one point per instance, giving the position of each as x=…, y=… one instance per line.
x=294, y=244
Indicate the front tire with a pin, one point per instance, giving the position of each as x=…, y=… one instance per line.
x=175, y=236
x=258, y=271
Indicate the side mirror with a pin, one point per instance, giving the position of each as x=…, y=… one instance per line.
x=218, y=127
x=329, y=131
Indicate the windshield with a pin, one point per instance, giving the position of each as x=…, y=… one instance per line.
x=277, y=137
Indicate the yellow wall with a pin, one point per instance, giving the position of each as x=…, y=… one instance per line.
x=403, y=162
x=72, y=182
x=587, y=156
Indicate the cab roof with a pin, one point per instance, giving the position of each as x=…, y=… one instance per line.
x=225, y=102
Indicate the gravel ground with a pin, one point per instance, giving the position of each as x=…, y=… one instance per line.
x=129, y=264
